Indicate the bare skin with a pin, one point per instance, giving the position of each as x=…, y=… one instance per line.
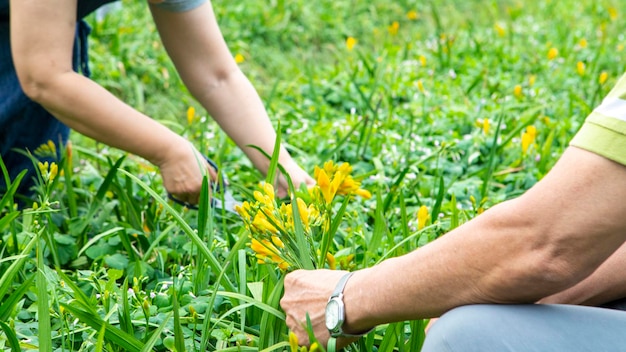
x=546, y=241
x=42, y=35
x=606, y=284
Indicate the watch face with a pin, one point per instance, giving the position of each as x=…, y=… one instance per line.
x=332, y=314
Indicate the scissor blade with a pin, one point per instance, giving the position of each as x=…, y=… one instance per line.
x=227, y=202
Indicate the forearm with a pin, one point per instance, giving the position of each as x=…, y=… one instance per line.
x=194, y=42
x=42, y=35
x=235, y=103
x=546, y=241
x=91, y=110
x=606, y=284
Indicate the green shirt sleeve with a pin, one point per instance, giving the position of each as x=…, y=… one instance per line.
x=604, y=130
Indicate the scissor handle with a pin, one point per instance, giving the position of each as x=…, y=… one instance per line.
x=217, y=188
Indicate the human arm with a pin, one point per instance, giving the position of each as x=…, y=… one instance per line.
x=607, y=283
x=519, y=251
x=42, y=36
x=194, y=42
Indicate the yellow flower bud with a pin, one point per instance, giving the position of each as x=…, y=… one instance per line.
x=422, y=217
x=293, y=341
x=553, y=53
x=393, y=28
x=580, y=68
x=191, y=115
x=603, y=77
x=350, y=43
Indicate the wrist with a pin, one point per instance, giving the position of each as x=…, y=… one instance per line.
x=173, y=148
x=359, y=304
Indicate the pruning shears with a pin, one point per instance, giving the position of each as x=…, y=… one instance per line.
x=221, y=197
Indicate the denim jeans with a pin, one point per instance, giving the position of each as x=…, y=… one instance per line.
x=528, y=328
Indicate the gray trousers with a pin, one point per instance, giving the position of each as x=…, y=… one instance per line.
x=528, y=328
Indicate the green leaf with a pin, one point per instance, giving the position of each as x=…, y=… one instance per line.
x=112, y=334
x=117, y=261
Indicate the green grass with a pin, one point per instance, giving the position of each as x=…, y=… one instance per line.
x=104, y=262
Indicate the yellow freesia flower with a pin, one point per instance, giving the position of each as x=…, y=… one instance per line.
x=422, y=217
x=422, y=59
x=293, y=341
x=191, y=115
x=266, y=252
x=553, y=53
x=603, y=77
x=580, y=68
x=528, y=138
x=393, y=28
x=486, y=126
x=612, y=13
x=350, y=43
x=420, y=86
x=330, y=259
x=261, y=223
x=47, y=149
x=499, y=29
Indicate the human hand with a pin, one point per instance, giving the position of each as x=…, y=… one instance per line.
x=298, y=177
x=307, y=292
x=182, y=169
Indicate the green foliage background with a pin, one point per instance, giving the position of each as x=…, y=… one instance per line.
x=104, y=262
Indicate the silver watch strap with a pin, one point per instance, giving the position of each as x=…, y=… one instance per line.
x=341, y=285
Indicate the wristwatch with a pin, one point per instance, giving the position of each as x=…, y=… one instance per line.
x=336, y=312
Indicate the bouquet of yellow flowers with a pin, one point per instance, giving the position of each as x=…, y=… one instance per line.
x=298, y=234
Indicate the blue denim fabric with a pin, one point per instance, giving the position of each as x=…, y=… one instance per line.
x=528, y=328
x=24, y=124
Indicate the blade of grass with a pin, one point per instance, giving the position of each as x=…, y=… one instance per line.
x=7, y=277
x=390, y=337
x=380, y=226
x=8, y=303
x=100, y=341
x=11, y=338
x=179, y=338
x=114, y=335
x=417, y=336
x=440, y=194
x=213, y=262
x=126, y=323
x=243, y=278
x=491, y=158
x=68, y=176
x=156, y=334
x=43, y=306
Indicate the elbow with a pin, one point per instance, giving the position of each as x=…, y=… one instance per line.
x=555, y=271
x=530, y=277
x=537, y=259
x=39, y=84
x=34, y=86
x=214, y=81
